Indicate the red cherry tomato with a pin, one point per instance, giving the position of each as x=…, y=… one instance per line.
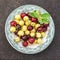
x=31, y=40
x=13, y=23
x=34, y=20
x=22, y=15
x=25, y=44
x=30, y=28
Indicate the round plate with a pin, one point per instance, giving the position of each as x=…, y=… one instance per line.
x=30, y=49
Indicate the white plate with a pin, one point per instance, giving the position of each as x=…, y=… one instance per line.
x=34, y=48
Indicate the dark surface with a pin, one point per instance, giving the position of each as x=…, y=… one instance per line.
x=7, y=52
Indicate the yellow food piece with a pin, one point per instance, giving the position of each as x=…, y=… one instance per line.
x=24, y=28
x=37, y=25
x=38, y=35
x=35, y=42
x=20, y=33
x=43, y=34
x=26, y=18
x=33, y=24
x=32, y=34
x=27, y=32
x=17, y=39
x=12, y=29
x=17, y=17
x=27, y=23
x=21, y=22
x=40, y=41
x=17, y=21
x=33, y=30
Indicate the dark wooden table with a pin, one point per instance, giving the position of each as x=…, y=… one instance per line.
x=7, y=52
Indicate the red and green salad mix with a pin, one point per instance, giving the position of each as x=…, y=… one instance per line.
x=30, y=27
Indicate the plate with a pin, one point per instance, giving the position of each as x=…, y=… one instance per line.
x=34, y=48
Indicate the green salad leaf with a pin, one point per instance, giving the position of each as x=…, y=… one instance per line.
x=42, y=18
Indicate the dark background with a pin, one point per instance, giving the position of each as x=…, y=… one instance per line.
x=7, y=52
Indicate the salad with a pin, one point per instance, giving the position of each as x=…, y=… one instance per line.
x=30, y=28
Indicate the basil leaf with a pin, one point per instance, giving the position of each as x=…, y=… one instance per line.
x=42, y=18
x=46, y=21
x=45, y=15
x=40, y=21
x=33, y=14
x=39, y=17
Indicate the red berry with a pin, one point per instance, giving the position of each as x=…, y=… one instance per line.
x=30, y=28
x=25, y=37
x=31, y=40
x=44, y=29
x=22, y=15
x=13, y=23
x=28, y=36
x=45, y=25
x=25, y=44
x=39, y=29
x=34, y=20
